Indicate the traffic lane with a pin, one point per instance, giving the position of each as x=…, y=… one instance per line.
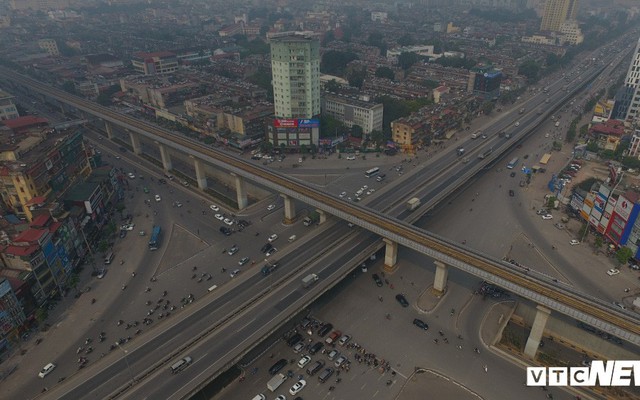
x=233, y=333
x=196, y=322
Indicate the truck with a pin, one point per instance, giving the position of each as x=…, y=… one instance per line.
x=269, y=267
x=413, y=203
x=309, y=280
x=275, y=382
x=312, y=218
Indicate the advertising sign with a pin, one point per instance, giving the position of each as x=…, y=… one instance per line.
x=285, y=123
x=623, y=208
x=309, y=123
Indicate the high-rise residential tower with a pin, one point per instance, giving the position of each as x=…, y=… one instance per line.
x=295, y=64
x=627, y=105
x=556, y=12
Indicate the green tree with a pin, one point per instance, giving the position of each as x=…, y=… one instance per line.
x=406, y=40
x=406, y=60
x=356, y=131
x=623, y=255
x=375, y=39
x=430, y=84
x=304, y=149
x=328, y=38
x=598, y=242
x=356, y=77
x=69, y=87
x=330, y=127
x=335, y=62
x=530, y=69
x=41, y=315
x=487, y=107
x=377, y=137
x=385, y=72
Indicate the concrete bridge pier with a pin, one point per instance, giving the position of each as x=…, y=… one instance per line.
x=323, y=217
x=201, y=176
x=135, y=142
x=166, y=157
x=390, y=255
x=109, y=129
x=440, y=280
x=289, y=209
x=241, y=192
x=539, y=323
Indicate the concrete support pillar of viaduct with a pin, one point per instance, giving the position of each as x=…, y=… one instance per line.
x=201, y=176
x=323, y=217
x=440, y=280
x=540, y=321
x=109, y=129
x=289, y=209
x=135, y=142
x=390, y=255
x=241, y=192
x=165, y=156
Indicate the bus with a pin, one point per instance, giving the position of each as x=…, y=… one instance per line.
x=512, y=164
x=154, y=241
x=372, y=172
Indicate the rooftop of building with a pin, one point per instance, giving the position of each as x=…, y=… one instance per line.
x=25, y=122
x=351, y=100
x=5, y=95
x=158, y=54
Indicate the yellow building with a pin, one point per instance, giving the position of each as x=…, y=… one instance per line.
x=556, y=12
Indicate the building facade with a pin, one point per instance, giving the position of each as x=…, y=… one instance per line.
x=628, y=97
x=162, y=62
x=295, y=64
x=556, y=12
x=8, y=110
x=484, y=82
x=354, y=112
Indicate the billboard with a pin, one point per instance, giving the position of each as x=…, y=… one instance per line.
x=623, y=208
x=309, y=123
x=285, y=123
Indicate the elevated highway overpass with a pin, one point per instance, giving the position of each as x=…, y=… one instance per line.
x=542, y=291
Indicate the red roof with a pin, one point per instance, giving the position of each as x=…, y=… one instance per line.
x=25, y=122
x=35, y=201
x=54, y=227
x=21, y=250
x=31, y=235
x=40, y=221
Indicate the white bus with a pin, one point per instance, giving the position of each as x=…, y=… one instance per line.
x=372, y=172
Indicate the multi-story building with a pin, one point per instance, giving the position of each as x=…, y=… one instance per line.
x=556, y=12
x=628, y=96
x=39, y=5
x=38, y=164
x=571, y=32
x=352, y=111
x=11, y=314
x=50, y=46
x=408, y=132
x=484, y=81
x=295, y=65
x=8, y=110
x=634, y=146
x=161, y=62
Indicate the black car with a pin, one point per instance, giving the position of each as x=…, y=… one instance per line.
x=225, y=231
x=316, y=348
x=326, y=328
x=316, y=367
x=275, y=368
x=377, y=280
x=402, y=300
x=162, y=180
x=420, y=324
x=293, y=340
x=123, y=233
x=266, y=247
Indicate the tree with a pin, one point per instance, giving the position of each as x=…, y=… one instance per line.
x=530, y=69
x=356, y=131
x=332, y=86
x=406, y=40
x=430, y=84
x=356, y=77
x=623, y=255
x=375, y=39
x=304, y=149
x=385, y=72
x=69, y=87
x=377, y=137
x=406, y=60
x=328, y=38
x=598, y=242
x=487, y=107
x=335, y=62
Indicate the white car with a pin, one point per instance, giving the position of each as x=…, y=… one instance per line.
x=228, y=221
x=158, y=198
x=271, y=207
x=178, y=204
x=102, y=274
x=48, y=369
x=214, y=207
x=613, y=272
x=127, y=227
x=295, y=389
x=618, y=304
x=304, y=361
x=131, y=175
x=547, y=216
x=272, y=238
x=219, y=217
x=351, y=158
x=343, y=194
x=574, y=242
